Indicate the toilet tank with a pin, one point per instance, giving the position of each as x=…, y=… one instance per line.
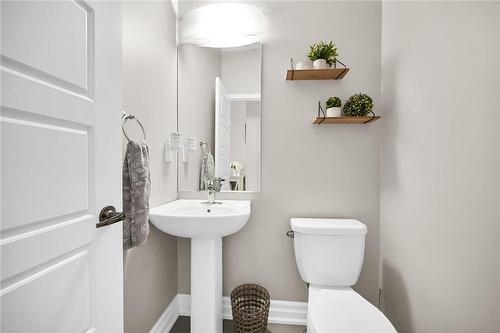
x=329, y=252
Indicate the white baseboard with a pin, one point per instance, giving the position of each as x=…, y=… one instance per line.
x=167, y=318
x=288, y=313
x=184, y=304
x=280, y=312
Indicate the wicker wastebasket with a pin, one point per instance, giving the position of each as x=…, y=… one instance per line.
x=250, y=305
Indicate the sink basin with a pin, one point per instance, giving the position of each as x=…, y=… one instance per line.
x=193, y=218
x=205, y=224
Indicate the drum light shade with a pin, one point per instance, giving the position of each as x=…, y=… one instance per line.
x=222, y=25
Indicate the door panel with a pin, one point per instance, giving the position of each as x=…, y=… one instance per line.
x=60, y=134
x=54, y=239
x=45, y=99
x=47, y=168
x=62, y=301
x=53, y=40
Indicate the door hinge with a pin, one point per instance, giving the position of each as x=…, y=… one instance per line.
x=380, y=298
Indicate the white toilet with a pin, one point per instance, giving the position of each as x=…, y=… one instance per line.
x=329, y=255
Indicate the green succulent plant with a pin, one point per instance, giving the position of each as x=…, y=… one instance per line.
x=333, y=102
x=358, y=105
x=322, y=50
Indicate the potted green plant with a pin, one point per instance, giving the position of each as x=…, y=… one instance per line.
x=322, y=54
x=333, y=105
x=358, y=105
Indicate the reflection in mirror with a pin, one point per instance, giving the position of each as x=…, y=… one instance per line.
x=219, y=102
x=237, y=139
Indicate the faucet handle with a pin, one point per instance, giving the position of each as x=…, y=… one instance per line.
x=218, y=183
x=210, y=185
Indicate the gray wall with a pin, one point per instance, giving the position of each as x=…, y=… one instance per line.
x=149, y=91
x=245, y=140
x=241, y=70
x=253, y=146
x=198, y=68
x=440, y=230
x=308, y=170
x=440, y=166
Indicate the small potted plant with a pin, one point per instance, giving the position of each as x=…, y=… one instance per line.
x=358, y=105
x=322, y=54
x=333, y=105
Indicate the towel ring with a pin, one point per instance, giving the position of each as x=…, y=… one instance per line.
x=125, y=118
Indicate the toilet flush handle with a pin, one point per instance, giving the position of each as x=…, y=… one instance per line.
x=290, y=234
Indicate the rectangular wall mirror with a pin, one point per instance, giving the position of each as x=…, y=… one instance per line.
x=219, y=102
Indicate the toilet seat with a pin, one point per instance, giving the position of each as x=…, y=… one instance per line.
x=342, y=310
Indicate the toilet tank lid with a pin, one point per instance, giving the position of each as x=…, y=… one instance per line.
x=321, y=226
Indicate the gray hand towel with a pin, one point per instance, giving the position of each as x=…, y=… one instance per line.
x=136, y=189
x=207, y=169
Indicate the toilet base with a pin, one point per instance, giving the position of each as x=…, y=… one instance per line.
x=342, y=310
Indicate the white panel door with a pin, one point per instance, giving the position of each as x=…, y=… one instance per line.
x=60, y=164
x=222, y=134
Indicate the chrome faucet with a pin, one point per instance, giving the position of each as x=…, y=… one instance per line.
x=211, y=192
x=213, y=186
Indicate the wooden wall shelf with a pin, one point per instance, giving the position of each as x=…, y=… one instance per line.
x=345, y=120
x=316, y=74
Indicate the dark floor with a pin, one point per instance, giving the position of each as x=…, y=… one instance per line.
x=182, y=326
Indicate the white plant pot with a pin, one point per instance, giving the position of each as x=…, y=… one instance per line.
x=304, y=65
x=319, y=64
x=333, y=112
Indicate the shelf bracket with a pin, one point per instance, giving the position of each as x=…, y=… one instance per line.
x=321, y=111
x=371, y=119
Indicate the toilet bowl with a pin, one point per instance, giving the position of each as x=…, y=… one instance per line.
x=335, y=310
x=329, y=255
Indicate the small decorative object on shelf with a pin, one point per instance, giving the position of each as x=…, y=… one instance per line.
x=358, y=108
x=304, y=71
x=301, y=65
x=236, y=167
x=323, y=54
x=358, y=105
x=333, y=105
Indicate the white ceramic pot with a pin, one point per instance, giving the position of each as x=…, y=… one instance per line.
x=333, y=112
x=304, y=65
x=319, y=64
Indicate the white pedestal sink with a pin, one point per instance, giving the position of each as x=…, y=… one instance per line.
x=206, y=225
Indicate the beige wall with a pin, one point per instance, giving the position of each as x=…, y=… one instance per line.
x=241, y=70
x=198, y=67
x=440, y=182
x=150, y=92
x=308, y=170
x=440, y=230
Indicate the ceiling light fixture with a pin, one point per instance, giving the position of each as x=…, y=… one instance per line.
x=222, y=25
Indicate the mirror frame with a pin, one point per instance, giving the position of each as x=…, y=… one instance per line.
x=238, y=193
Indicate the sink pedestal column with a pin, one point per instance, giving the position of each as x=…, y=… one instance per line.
x=206, y=284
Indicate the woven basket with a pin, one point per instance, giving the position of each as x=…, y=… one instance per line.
x=250, y=305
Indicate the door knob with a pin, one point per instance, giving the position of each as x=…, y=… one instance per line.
x=108, y=216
